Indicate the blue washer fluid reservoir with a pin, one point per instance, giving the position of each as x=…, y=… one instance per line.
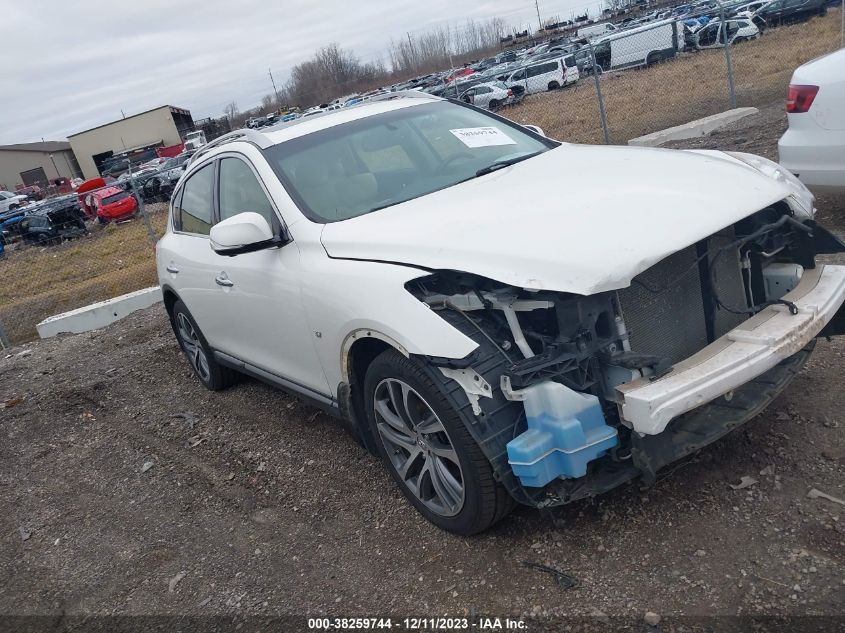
x=566, y=430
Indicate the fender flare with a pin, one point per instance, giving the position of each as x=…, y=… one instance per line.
x=356, y=335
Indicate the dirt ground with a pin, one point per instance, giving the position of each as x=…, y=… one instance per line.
x=128, y=489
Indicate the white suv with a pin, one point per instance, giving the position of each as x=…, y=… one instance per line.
x=403, y=264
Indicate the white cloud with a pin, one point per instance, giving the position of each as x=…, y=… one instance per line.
x=70, y=66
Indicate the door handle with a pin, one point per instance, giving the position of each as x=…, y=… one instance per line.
x=171, y=268
x=223, y=280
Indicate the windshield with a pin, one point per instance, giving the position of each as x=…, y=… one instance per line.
x=382, y=160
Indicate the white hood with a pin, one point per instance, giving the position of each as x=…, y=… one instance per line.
x=579, y=218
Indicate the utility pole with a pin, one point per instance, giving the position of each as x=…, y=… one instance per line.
x=273, y=81
x=537, y=6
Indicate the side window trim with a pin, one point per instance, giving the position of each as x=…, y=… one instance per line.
x=176, y=208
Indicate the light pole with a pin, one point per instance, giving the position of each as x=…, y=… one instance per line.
x=52, y=160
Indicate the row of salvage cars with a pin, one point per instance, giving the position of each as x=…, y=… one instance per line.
x=54, y=220
x=98, y=200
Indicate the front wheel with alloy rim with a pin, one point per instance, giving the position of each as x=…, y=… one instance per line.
x=213, y=375
x=424, y=443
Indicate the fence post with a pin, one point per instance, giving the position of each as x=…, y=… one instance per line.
x=599, y=96
x=142, y=209
x=728, y=61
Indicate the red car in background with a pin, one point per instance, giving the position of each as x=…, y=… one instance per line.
x=113, y=203
x=105, y=203
x=463, y=72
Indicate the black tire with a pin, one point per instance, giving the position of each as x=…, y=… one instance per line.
x=553, y=85
x=484, y=501
x=210, y=373
x=12, y=207
x=493, y=105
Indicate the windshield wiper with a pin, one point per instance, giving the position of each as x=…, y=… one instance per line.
x=500, y=164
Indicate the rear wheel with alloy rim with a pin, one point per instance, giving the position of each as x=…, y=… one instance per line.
x=213, y=375
x=424, y=443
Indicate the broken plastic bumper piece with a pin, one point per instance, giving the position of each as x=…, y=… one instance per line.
x=741, y=355
x=566, y=430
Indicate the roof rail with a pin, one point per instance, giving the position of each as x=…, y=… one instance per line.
x=411, y=94
x=246, y=134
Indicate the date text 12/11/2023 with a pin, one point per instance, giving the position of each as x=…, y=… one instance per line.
x=417, y=624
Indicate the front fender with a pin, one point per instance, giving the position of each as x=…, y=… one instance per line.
x=348, y=299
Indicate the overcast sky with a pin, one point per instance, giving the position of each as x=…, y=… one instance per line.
x=69, y=66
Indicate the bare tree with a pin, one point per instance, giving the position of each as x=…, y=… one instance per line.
x=231, y=111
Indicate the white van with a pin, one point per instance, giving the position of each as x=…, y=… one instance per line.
x=641, y=46
x=549, y=74
x=595, y=30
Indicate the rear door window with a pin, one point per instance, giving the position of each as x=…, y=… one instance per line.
x=196, y=203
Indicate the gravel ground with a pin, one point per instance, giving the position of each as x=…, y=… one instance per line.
x=129, y=489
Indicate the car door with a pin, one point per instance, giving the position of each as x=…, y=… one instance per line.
x=185, y=252
x=257, y=295
x=707, y=37
x=483, y=94
x=519, y=79
x=534, y=79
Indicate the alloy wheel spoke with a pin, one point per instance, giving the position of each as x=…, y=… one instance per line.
x=418, y=447
x=404, y=469
x=431, y=424
x=448, y=489
x=397, y=438
x=202, y=363
x=399, y=393
x=443, y=451
x=391, y=418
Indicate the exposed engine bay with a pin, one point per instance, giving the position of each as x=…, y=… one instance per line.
x=546, y=384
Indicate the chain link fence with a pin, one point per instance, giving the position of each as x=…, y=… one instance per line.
x=677, y=69
x=69, y=251
x=72, y=250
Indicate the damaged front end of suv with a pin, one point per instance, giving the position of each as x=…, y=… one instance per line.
x=571, y=395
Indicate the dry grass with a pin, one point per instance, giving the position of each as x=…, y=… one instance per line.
x=643, y=101
x=40, y=282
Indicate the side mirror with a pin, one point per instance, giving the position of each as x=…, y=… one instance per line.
x=535, y=129
x=184, y=166
x=242, y=233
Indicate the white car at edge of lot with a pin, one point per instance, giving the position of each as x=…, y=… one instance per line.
x=490, y=96
x=405, y=265
x=9, y=201
x=813, y=148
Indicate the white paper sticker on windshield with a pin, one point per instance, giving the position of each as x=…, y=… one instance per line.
x=482, y=136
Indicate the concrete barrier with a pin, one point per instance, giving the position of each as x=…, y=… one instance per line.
x=693, y=129
x=100, y=314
